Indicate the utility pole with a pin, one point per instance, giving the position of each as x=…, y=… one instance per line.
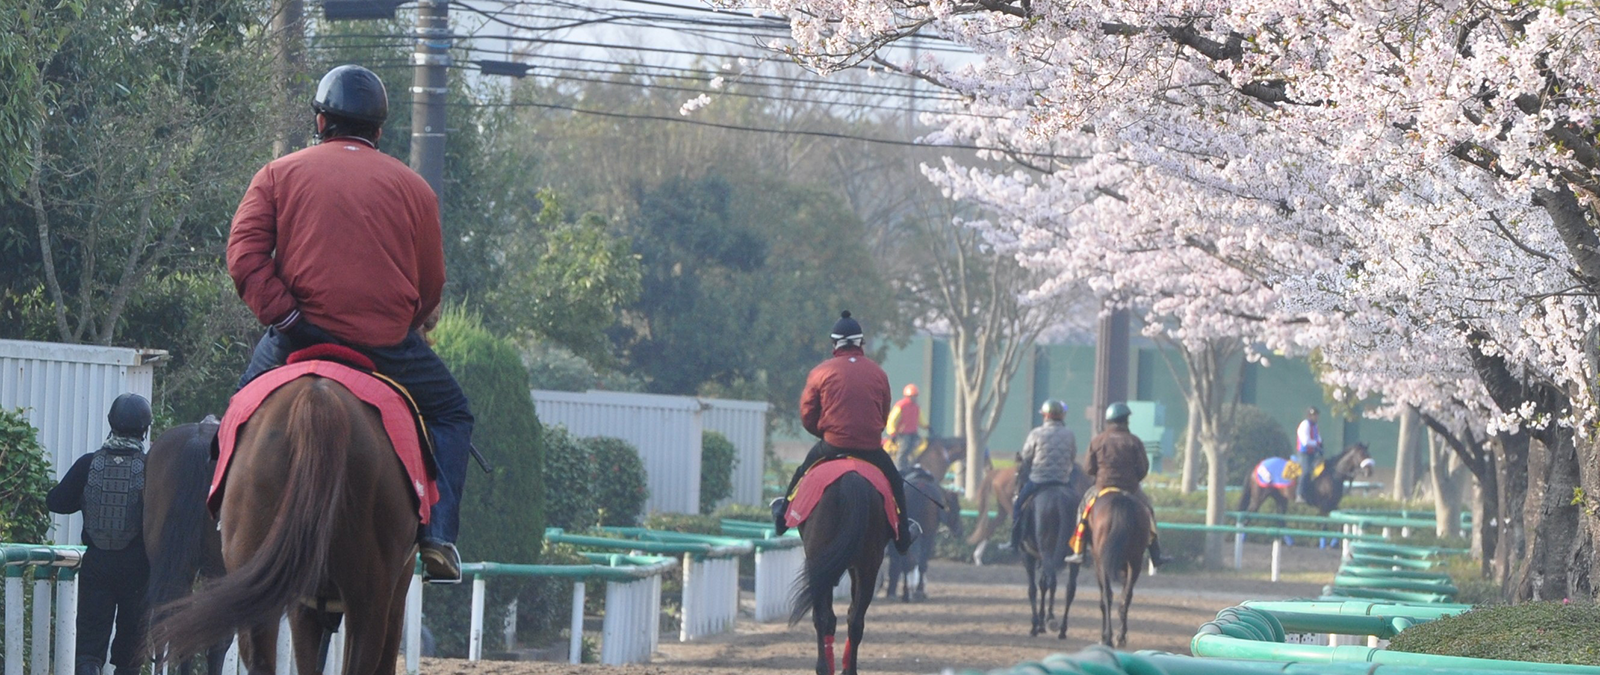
x=1110, y=365
x=428, y=92
x=289, y=26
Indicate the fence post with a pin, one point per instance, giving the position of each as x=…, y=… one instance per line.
x=1238, y=545
x=14, y=659
x=413, y=626
x=575, y=647
x=39, y=648
x=1277, y=554
x=475, y=637
x=66, y=620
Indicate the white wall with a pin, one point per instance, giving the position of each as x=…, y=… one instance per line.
x=65, y=391
x=744, y=423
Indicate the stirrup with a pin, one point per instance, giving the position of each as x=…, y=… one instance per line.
x=441, y=562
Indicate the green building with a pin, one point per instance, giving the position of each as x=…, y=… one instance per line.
x=1284, y=389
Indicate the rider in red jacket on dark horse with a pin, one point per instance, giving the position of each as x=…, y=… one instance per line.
x=846, y=404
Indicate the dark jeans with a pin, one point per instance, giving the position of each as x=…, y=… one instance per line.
x=111, y=588
x=906, y=446
x=1307, y=462
x=413, y=364
x=878, y=458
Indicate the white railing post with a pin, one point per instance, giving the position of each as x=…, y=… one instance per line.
x=230, y=660
x=689, y=627
x=475, y=638
x=39, y=648
x=652, y=612
x=334, y=665
x=66, y=620
x=509, y=628
x=575, y=646
x=285, y=663
x=1277, y=555
x=1344, y=553
x=413, y=627
x=14, y=658
x=1238, y=545
x=614, y=628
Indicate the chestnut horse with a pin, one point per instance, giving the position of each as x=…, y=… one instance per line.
x=311, y=467
x=1119, y=533
x=846, y=531
x=181, y=538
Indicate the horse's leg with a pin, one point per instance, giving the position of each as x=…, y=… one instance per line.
x=395, y=626
x=1134, y=568
x=1104, y=572
x=823, y=619
x=856, y=628
x=894, y=576
x=258, y=649
x=1035, y=613
x=922, y=570
x=306, y=631
x=1072, y=592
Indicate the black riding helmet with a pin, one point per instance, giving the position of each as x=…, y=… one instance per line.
x=352, y=93
x=129, y=416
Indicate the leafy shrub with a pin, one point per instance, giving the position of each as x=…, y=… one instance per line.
x=24, y=481
x=556, y=368
x=502, y=513
x=717, y=459
x=683, y=522
x=622, y=485
x=1251, y=436
x=569, y=478
x=1545, y=632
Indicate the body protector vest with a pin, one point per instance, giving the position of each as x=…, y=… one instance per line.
x=113, y=498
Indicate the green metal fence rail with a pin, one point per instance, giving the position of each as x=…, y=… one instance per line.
x=1099, y=660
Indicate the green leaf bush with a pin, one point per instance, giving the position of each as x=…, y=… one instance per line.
x=1545, y=632
x=621, y=485
x=718, y=456
x=24, y=481
x=570, y=473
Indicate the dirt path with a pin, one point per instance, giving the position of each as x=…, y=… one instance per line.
x=976, y=617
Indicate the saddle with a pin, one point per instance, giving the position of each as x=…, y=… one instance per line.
x=1037, y=488
x=1083, y=521
x=826, y=472
x=402, y=421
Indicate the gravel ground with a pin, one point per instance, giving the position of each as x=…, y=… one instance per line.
x=975, y=617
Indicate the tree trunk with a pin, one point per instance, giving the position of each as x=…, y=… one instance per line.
x=1216, y=499
x=1511, y=471
x=1405, y=459
x=1191, y=447
x=1553, y=534
x=972, y=468
x=1449, y=479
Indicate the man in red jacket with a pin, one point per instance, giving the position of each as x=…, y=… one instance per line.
x=340, y=243
x=846, y=404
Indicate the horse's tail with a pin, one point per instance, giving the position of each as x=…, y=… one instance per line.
x=983, y=528
x=290, y=561
x=850, y=510
x=1125, y=538
x=183, y=531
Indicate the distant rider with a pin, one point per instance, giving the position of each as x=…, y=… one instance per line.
x=1117, y=460
x=905, y=419
x=846, y=403
x=1307, y=450
x=340, y=243
x=1048, y=457
x=108, y=486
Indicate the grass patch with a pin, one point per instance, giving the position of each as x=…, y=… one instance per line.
x=1544, y=632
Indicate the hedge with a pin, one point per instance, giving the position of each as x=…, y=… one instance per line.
x=502, y=513
x=569, y=473
x=24, y=481
x=621, y=486
x=1546, y=632
x=718, y=456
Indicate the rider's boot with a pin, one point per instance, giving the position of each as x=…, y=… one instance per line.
x=89, y=665
x=1016, y=534
x=779, y=506
x=909, y=531
x=441, y=562
x=1155, y=552
x=1075, y=559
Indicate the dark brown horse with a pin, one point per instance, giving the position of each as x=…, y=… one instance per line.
x=1119, y=533
x=938, y=454
x=921, y=490
x=1048, y=521
x=181, y=538
x=847, y=531
x=311, y=467
x=1327, y=489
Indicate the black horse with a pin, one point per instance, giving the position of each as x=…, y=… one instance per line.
x=1048, y=520
x=921, y=490
x=1327, y=487
x=846, y=531
x=181, y=538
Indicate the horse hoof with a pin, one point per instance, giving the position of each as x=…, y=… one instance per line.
x=1052, y=624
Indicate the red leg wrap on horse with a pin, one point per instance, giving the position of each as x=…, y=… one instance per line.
x=849, y=654
x=827, y=649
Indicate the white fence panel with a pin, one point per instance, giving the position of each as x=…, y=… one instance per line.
x=776, y=571
x=66, y=391
x=745, y=424
x=665, y=429
x=710, y=596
